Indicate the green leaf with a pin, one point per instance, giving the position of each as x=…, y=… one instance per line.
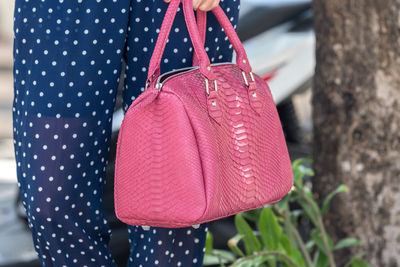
x=252, y=215
x=270, y=230
x=309, y=194
x=306, y=171
x=295, y=215
x=209, y=242
x=210, y=260
x=284, y=202
x=233, y=245
x=320, y=259
x=246, y=263
x=317, y=238
x=251, y=243
x=327, y=200
x=258, y=261
x=214, y=259
x=308, y=210
x=297, y=162
x=255, y=262
x=286, y=245
x=297, y=257
x=310, y=245
x=299, y=170
x=292, y=252
x=298, y=178
x=288, y=232
x=347, y=242
x=357, y=262
x=305, y=199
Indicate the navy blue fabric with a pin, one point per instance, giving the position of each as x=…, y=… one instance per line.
x=67, y=65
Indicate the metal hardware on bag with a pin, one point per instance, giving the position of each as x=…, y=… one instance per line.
x=245, y=78
x=213, y=103
x=187, y=69
x=211, y=123
x=158, y=86
x=148, y=82
x=146, y=85
x=254, y=94
x=252, y=77
x=207, y=86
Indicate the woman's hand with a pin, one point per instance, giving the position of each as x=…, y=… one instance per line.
x=203, y=5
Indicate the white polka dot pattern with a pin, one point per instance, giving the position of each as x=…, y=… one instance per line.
x=67, y=66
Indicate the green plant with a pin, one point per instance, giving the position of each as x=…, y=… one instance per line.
x=277, y=240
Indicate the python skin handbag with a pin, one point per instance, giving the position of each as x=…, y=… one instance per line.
x=200, y=143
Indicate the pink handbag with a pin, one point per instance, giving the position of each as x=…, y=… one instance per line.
x=200, y=143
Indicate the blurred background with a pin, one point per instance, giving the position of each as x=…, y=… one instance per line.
x=10, y=228
x=280, y=42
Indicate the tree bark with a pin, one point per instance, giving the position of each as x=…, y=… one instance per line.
x=356, y=116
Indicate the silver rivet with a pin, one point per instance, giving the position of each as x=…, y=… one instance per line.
x=244, y=61
x=213, y=103
x=209, y=68
x=254, y=94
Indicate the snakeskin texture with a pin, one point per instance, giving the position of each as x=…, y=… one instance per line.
x=177, y=165
x=185, y=156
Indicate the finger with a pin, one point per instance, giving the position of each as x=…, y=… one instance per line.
x=205, y=5
x=208, y=5
x=216, y=3
x=196, y=4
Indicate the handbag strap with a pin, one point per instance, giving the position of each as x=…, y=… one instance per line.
x=201, y=18
x=226, y=25
x=204, y=62
x=154, y=65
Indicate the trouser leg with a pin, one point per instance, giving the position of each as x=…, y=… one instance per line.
x=66, y=70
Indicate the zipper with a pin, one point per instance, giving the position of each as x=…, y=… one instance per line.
x=178, y=71
x=160, y=84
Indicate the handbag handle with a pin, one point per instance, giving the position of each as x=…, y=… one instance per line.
x=241, y=60
x=155, y=60
x=201, y=18
x=204, y=62
x=154, y=66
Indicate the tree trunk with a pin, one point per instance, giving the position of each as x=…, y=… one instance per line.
x=356, y=116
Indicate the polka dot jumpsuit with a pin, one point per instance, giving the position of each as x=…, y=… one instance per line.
x=67, y=65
